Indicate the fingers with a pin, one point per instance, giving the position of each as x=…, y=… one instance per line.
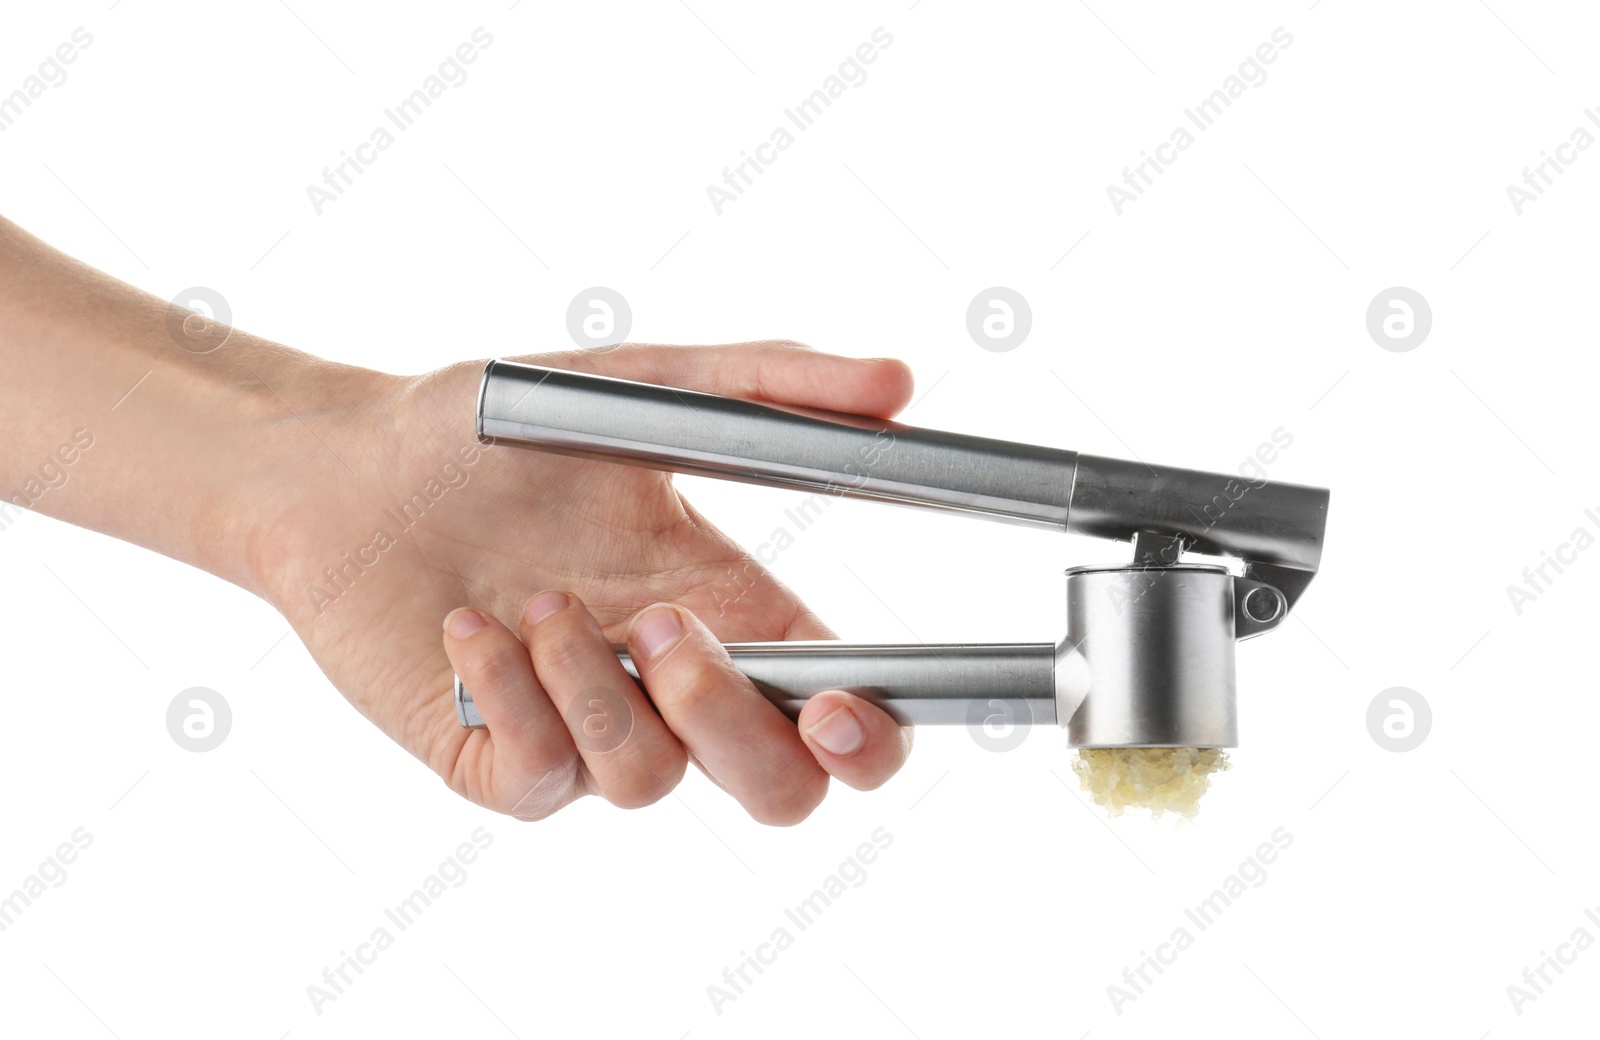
x=534, y=769
x=853, y=739
x=774, y=370
x=831, y=721
x=738, y=736
x=634, y=758
x=560, y=705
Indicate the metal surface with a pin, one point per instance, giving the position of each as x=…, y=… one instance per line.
x=1148, y=660
x=1149, y=657
x=917, y=684
x=466, y=711
x=572, y=413
x=1276, y=528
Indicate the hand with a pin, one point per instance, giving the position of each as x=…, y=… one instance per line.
x=405, y=517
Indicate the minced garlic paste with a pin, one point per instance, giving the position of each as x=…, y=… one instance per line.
x=1158, y=779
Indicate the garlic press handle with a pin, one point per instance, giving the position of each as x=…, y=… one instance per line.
x=660, y=427
x=917, y=684
x=1276, y=528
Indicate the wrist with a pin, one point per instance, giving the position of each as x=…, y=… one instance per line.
x=295, y=455
x=186, y=438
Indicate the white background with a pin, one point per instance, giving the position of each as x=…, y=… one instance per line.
x=1228, y=301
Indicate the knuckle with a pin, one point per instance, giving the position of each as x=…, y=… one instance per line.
x=505, y=664
x=686, y=699
x=691, y=684
x=600, y=720
x=560, y=645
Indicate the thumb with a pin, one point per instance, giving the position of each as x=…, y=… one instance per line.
x=854, y=740
x=779, y=371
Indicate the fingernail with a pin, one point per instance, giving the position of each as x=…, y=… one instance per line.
x=656, y=631
x=543, y=605
x=463, y=621
x=839, y=733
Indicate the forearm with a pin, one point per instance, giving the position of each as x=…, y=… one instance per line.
x=109, y=422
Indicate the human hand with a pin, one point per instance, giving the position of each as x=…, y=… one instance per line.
x=406, y=517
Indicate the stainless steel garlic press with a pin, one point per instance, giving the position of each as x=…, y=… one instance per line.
x=1148, y=657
